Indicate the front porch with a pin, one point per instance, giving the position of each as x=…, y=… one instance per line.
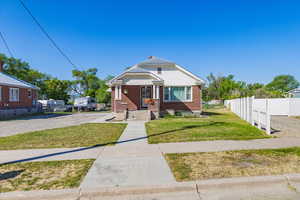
x=132, y=98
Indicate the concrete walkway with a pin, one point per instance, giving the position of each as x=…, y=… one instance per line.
x=132, y=162
x=31, y=155
x=227, y=145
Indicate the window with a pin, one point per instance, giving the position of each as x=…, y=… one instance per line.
x=182, y=93
x=14, y=94
x=29, y=94
x=159, y=70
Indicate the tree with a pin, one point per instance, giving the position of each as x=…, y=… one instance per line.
x=223, y=87
x=283, y=83
x=88, y=84
x=23, y=71
x=57, y=89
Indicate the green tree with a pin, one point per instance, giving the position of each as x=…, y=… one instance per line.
x=223, y=87
x=88, y=84
x=102, y=95
x=57, y=89
x=283, y=83
x=23, y=71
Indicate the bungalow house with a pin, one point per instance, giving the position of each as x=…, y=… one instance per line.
x=17, y=97
x=156, y=86
x=295, y=93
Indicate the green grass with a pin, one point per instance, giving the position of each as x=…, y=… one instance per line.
x=43, y=175
x=72, y=136
x=220, y=124
x=197, y=166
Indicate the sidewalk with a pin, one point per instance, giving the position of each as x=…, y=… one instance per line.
x=31, y=155
x=227, y=145
x=134, y=169
x=130, y=163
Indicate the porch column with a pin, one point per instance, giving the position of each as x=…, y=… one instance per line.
x=155, y=91
x=118, y=92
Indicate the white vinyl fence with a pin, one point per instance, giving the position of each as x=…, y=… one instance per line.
x=259, y=111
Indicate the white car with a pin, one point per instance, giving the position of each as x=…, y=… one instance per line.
x=85, y=103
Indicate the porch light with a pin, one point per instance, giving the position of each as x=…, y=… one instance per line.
x=125, y=91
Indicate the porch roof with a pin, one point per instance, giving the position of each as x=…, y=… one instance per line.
x=135, y=71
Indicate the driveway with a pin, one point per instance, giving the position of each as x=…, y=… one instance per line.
x=50, y=121
x=286, y=126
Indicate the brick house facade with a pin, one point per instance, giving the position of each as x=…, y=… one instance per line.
x=156, y=85
x=27, y=97
x=17, y=97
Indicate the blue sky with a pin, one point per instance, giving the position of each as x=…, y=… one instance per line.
x=254, y=40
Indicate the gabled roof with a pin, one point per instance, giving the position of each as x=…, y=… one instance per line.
x=135, y=70
x=12, y=81
x=152, y=60
x=155, y=61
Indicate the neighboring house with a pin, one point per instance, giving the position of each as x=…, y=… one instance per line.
x=295, y=93
x=17, y=97
x=156, y=85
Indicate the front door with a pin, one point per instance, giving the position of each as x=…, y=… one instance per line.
x=145, y=94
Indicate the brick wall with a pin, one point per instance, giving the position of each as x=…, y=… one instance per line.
x=24, y=100
x=195, y=105
x=132, y=101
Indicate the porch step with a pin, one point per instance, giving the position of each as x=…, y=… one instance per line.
x=142, y=115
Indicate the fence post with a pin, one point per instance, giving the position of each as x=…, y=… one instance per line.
x=248, y=109
x=268, y=117
x=258, y=119
x=252, y=110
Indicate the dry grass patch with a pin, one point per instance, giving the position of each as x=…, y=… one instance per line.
x=43, y=175
x=195, y=166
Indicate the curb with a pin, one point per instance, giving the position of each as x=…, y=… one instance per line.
x=196, y=186
x=65, y=194
x=89, y=193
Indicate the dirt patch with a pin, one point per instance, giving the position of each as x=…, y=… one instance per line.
x=43, y=175
x=195, y=166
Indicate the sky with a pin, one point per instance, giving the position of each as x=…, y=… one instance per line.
x=253, y=40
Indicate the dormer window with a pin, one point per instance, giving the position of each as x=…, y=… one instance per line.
x=159, y=70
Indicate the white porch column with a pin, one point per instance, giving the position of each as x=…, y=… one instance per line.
x=157, y=92
x=118, y=92
x=154, y=92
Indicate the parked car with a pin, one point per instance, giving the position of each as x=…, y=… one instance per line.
x=53, y=105
x=85, y=103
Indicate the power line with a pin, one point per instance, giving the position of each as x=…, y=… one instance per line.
x=47, y=34
x=6, y=45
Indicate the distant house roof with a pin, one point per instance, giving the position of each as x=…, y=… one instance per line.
x=297, y=90
x=12, y=81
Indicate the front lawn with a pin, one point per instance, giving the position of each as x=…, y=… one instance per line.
x=73, y=136
x=219, y=124
x=197, y=166
x=43, y=175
